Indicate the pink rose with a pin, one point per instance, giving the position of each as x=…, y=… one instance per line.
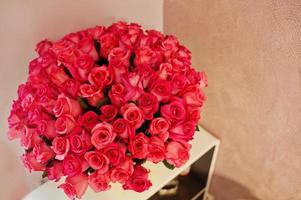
x=159, y=126
x=130, y=39
x=108, y=113
x=194, y=96
x=122, y=172
x=139, y=180
x=193, y=113
x=161, y=89
x=175, y=110
x=80, y=141
x=165, y=71
x=123, y=129
x=55, y=171
x=133, y=84
x=43, y=153
x=47, y=128
x=115, y=153
x=60, y=146
x=151, y=39
x=98, y=161
x=177, y=153
x=30, y=162
x=72, y=165
x=149, y=104
x=96, y=32
x=144, y=56
x=156, y=150
x=100, y=77
x=86, y=45
x=182, y=131
x=204, y=79
x=66, y=105
x=99, y=182
x=88, y=120
x=102, y=135
x=71, y=87
x=108, y=42
x=82, y=67
x=93, y=96
x=117, y=94
x=75, y=186
x=193, y=76
x=132, y=114
x=139, y=146
x=65, y=124
x=57, y=75
x=169, y=46
x=178, y=82
x=119, y=62
x=30, y=138
x=43, y=47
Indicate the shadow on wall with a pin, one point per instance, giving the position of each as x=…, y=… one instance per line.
x=233, y=190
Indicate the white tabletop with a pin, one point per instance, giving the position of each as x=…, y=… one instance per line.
x=159, y=176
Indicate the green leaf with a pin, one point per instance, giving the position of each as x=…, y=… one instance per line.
x=45, y=174
x=102, y=102
x=168, y=165
x=83, y=103
x=197, y=128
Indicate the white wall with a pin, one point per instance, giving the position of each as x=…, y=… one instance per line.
x=22, y=25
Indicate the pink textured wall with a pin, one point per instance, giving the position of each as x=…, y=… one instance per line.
x=251, y=51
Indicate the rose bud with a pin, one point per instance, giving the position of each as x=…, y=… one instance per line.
x=71, y=86
x=75, y=186
x=159, y=127
x=47, y=129
x=43, y=153
x=108, y=41
x=88, y=120
x=177, y=153
x=139, y=146
x=149, y=104
x=132, y=114
x=122, y=172
x=119, y=62
x=161, y=89
x=99, y=182
x=115, y=153
x=66, y=105
x=86, y=45
x=73, y=164
x=123, y=129
x=194, y=96
x=80, y=141
x=156, y=150
x=43, y=47
x=100, y=77
x=93, y=96
x=98, y=161
x=108, y=113
x=182, y=131
x=117, y=94
x=175, y=110
x=83, y=65
x=65, y=124
x=60, y=146
x=55, y=171
x=102, y=135
x=30, y=138
x=30, y=162
x=139, y=180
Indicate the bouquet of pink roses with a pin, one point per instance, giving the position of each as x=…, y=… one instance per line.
x=100, y=102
